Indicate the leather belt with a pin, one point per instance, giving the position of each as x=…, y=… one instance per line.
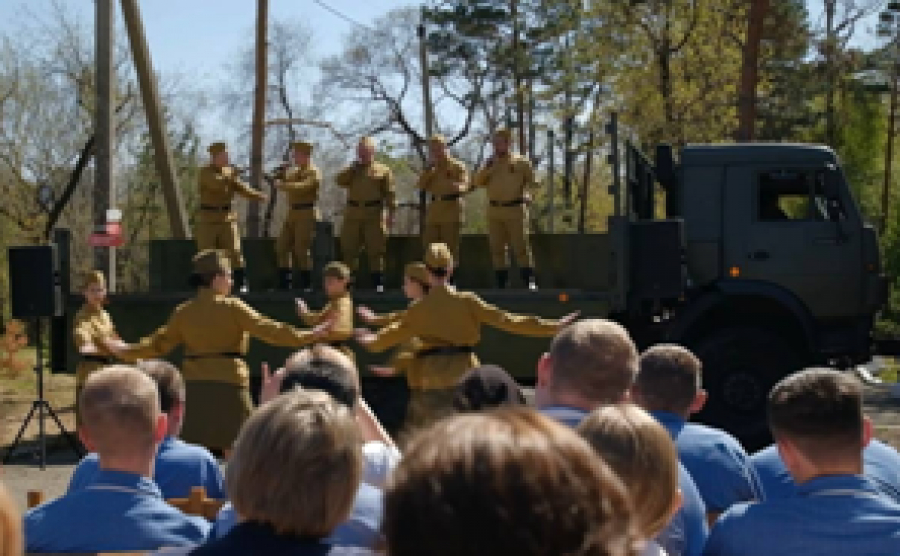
x=227, y=355
x=301, y=206
x=98, y=359
x=444, y=350
x=513, y=203
x=215, y=207
x=450, y=197
x=364, y=203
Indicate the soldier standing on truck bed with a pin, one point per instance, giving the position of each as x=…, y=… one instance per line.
x=508, y=177
x=448, y=324
x=292, y=249
x=447, y=179
x=370, y=210
x=217, y=226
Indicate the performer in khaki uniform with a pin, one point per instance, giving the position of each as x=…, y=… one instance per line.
x=446, y=179
x=337, y=281
x=448, y=325
x=508, y=177
x=301, y=184
x=217, y=226
x=370, y=210
x=214, y=329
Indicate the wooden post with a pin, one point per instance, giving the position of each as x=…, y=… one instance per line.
x=105, y=129
x=259, y=115
x=889, y=152
x=428, y=108
x=517, y=76
x=162, y=155
x=585, y=187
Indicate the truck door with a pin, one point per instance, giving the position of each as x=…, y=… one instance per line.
x=781, y=227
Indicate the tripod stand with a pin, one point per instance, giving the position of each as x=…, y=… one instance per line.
x=39, y=406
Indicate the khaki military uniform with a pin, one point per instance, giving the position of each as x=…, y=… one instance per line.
x=216, y=226
x=91, y=325
x=370, y=190
x=341, y=309
x=444, y=217
x=447, y=324
x=507, y=180
x=215, y=330
x=295, y=240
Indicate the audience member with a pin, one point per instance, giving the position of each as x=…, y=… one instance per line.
x=817, y=420
x=594, y=363
x=484, y=387
x=641, y=453
x=293, y=476
x=179, y=466
x=507, y=482
x=122, y=508
x=668, y=385
x=10, y=526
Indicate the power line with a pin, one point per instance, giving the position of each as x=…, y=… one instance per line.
x=341, y=15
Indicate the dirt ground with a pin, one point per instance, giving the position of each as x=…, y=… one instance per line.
x=23, y=473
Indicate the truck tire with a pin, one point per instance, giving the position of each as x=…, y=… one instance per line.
x=740, y=367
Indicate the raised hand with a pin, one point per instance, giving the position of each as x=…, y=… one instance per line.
x=569, y=319
x=366, y=314
x=324, y=327
x=302, y=308
x=271, y=384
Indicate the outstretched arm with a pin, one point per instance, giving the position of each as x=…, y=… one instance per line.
x=275, y=332
x=525, y=325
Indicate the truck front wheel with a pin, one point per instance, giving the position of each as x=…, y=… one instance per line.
x=740, y=367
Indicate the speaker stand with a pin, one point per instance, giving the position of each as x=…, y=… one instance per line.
x=39, y=406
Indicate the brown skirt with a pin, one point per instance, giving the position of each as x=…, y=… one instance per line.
x=215, y=413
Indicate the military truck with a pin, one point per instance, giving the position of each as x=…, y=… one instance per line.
x=759, y=261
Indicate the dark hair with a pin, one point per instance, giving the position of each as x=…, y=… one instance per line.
x=820, y=411
x=439, y=272
x=323, y=373
x=168, y=381
x=486, y=387
x=506, y=482
x=668, y=378
x=197, y=280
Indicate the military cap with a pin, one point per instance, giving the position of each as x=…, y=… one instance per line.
x=438, y=256
x=367, y=141
x=504, y=133
x=416, y=271
x=94, y=277
x=217, y=148
x=437, y=138
x=336, y=269
x=211, y=261
x=302, y=146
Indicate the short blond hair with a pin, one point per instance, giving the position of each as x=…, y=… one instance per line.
x=594, y=357
x=11, y=540
x=642, y=453
x=297, y=464
x=119, y=408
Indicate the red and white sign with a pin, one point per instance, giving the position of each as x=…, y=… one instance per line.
x=110, y=234
x=106, y=240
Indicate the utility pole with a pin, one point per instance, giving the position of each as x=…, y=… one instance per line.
x=426, y=100
x=830, y=43
x=162, y=155
x=517, y=75
x=259, y=115
x=104, y=128
x=750, y=71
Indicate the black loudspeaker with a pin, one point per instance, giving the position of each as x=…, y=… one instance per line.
x=657, y=261
x=34, y=281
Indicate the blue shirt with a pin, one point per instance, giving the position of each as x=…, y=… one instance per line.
x=250, y=538
x=881, y=465
x=839, y=515
x=179, y=467
x=686, y=533
x=118, y=511
x=361, y=528
x=717, y=462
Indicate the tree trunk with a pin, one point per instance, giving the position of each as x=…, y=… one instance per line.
x=259, y=115
x=830, y=71
x=750, y=71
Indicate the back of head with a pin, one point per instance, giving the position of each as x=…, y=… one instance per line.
x=820, y=412
x=668, y=379
x=594, y=358
x=642, y=454
x=297, y=464
x=119, y=408
x=325, y=369
x=486, y=387
x=510, y=481
x=11, y=540
x=168, y=381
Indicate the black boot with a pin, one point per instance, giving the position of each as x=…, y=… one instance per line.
x=240, y=280
x=378, y=282
x=502, y=278
x=284, y=279
x=528, y=278
x=305, y=280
